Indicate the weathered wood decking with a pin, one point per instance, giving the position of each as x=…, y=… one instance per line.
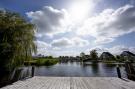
x=72, y=83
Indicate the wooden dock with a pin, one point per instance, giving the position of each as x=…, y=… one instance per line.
x=72, y=83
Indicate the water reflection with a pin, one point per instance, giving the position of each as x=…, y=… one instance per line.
x=69, y=69
x=95, y=68
x=78, y=69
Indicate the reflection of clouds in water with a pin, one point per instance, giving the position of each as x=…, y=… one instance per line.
x=78, y=69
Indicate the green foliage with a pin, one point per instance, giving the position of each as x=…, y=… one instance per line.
x=94, y=55
x=16, y=40
x=45, y=62
x=82, y=55
x=119, y=58
x=50, y=57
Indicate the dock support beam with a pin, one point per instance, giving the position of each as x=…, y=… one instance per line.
x=33, y=70
x=118, y=72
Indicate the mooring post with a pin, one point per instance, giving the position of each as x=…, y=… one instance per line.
x=118, y=72
x=130, y=70
x=33, y=70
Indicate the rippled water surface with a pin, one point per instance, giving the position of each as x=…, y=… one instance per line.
x=70, y=69
x=78, y=69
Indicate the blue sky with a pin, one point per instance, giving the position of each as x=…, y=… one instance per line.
x=68, y=27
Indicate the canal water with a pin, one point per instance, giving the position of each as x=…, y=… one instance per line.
x=78, y=69
x=70, y=69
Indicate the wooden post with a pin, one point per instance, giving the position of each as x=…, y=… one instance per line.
x=118, y=72
x=130, y=70
x=33, y=70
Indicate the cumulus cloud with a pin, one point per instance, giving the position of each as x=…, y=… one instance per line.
x=79, y=42
x=105, y=27
x=49, y=21
x=41, y=44
x=41, y=47
x=109, y=24
x=56, y=48
x=65, y=42
x=120, y=48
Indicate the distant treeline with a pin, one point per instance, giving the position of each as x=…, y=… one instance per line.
x=105, y=56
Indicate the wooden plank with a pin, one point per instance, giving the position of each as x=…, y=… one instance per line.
x=124, y=84
x=72, y=83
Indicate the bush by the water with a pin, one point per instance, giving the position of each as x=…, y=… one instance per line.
x=42, y=62
x=46, y=62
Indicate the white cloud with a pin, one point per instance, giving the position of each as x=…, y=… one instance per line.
x=109, y=24
x=120, y=48
x=56, y=48
x=65, y=42
x=49, y=21
x=105, y=27
x=42, y=47
x=71, y=53
x=79, y=42
x=42, y=44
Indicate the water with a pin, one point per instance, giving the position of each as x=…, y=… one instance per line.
x=70, y=69
x=77, y=69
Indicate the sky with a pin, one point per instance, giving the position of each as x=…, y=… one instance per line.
x=69, y=27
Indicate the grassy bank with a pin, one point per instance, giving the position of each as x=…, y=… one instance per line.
x=42, y=62
x=109, y=61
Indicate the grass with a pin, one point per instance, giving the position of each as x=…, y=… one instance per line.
x=42, y=62
x=109, y=61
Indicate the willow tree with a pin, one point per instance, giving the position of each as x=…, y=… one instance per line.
x=16, y=40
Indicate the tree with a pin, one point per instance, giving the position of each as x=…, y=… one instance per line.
x=82, y=54
x=118, y=58
x=50, y=57
x=16, y=40
x=94, y=55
